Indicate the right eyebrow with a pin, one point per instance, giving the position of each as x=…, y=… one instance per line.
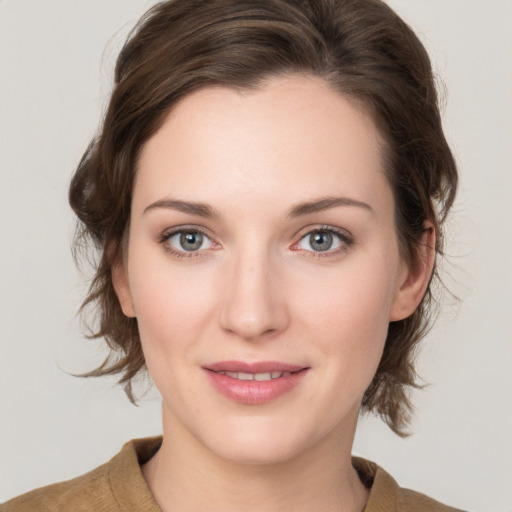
x=193, y=208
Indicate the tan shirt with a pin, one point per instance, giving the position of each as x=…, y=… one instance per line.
x=119, y=485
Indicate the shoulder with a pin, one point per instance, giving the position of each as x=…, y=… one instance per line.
x=114, y=486
x=412, y=500
x=87, y=492
x=386, y=495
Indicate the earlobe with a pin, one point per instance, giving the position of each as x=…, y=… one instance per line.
x=415, y=279
x=122, y=289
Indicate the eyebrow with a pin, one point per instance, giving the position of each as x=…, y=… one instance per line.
x=199, y=209
x=306, y=208
x=326, y=203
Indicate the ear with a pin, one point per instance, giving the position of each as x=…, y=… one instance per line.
x=414, y=279
x=122, y=289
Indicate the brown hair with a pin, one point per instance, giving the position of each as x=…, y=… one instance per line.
x=360, y=47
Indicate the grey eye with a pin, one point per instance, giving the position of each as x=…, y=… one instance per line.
x=190, y=240
x=320, y=240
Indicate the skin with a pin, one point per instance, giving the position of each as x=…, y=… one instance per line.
x=257, y=290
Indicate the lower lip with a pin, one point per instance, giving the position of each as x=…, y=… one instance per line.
x=254, y=392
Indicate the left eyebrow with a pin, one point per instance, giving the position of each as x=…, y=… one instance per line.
x=326, y=203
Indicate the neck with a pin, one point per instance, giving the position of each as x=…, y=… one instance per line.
x=185, y=475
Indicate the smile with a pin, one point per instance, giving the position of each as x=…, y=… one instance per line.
x=260, y=377
x=254, y=383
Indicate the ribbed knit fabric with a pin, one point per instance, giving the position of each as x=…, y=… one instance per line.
x=119, y=485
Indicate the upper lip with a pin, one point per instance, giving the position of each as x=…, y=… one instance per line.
x=257, y=367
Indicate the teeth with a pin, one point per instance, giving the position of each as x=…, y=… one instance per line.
x=263, y=376
x=255, y=376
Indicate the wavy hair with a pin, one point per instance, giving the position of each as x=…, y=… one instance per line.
x=361, y=48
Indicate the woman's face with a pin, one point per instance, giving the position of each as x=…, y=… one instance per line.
x=262, y=244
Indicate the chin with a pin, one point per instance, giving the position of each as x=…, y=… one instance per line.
x=257, y=451
x=258, y=441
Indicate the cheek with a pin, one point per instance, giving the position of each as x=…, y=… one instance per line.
x=173, y=311
x=348, y=317
x=172, y=305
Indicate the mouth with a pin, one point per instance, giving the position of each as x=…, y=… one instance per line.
x=254, y=383
x=260, y=377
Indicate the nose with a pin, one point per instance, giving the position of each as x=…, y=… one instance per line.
x=254, y=305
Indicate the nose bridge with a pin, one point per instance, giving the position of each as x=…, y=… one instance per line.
x=253, y=304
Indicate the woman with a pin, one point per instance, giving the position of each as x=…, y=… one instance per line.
x=267, y=194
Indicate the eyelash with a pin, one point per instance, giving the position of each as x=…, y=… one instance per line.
x=346, y=241
x=166, y=236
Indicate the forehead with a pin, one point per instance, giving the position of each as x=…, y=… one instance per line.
x=291, y=135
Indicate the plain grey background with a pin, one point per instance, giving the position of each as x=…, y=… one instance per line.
x=56, y=60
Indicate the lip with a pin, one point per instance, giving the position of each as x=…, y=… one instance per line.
x=254, y=392
x=257, y=367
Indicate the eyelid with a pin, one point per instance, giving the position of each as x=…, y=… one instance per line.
x=343, y=233
x=345, y=237
x=169, y=233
